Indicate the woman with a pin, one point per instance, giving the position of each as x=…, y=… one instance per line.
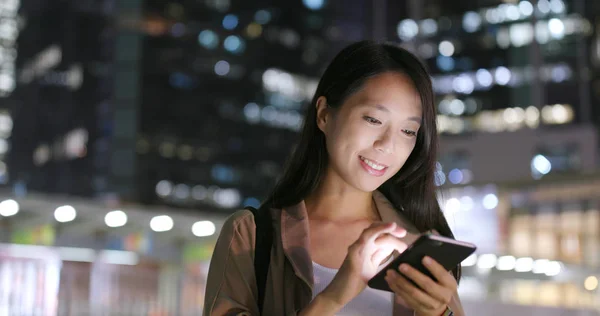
x=359, y=187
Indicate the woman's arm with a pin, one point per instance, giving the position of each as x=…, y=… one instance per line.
x=231, y=285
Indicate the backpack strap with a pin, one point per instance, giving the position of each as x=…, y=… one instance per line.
x=262, y=250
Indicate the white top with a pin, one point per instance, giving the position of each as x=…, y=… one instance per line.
x=369, y=302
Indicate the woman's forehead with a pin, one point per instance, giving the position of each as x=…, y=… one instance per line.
x=389, y=91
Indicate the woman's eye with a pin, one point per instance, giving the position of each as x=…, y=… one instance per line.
x=409, y=132
x=372, y=120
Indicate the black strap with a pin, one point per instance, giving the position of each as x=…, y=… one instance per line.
x=262, y=250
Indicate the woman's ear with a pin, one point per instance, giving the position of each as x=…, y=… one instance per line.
x=323, y=113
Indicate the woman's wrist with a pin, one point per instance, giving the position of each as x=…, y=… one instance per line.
x=446, y=312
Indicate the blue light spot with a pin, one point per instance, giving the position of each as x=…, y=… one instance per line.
x=253, y=202
x=445, y=63
x=181, y=81
x=222, y=173
x=455, y=176
x=208, y=39
x=262, y=16
x=314, y=4
x=234, y=44
x=230, y=22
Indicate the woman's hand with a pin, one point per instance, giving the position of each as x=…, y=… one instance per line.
x=430, y=298
x=375, y=244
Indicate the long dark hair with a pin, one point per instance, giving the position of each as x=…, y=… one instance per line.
x=412, y=190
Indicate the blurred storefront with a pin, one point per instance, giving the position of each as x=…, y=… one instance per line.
x=72, y=259
x=539, y=242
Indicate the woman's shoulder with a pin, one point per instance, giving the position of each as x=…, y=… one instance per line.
x=240, y=220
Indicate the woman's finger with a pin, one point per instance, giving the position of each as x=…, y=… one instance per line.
x=428, y=285
x=388, y=241
x=440, y=273
x=409, y=292
x=405, y=298
x=378, y=229
x=380, y=255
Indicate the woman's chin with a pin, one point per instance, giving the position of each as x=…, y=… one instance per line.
x=368, y=186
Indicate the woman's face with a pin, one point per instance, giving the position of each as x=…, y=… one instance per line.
x=372, y=134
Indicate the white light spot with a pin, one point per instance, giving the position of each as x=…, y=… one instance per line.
x=446, y=48
x=116, y=218
x=553, y=268
x=466, y=203
x=429, y=27
x=457, y=107
x=541, y=164
x=557, y=28
x=252, y=112
x=502, y=75
x=227, y=197
x=407, y=29
x=543, y=6
x=557, y=6
x=512, y=12
x=199, y=192
x=181, y=191
x=203, y=228
x=526, y=8
x=471, y=21
x=539, y=266
x=222, y=68
x=65, y=213
x=490, y=201
x=463, y=84
x=452, y=205
x=9, y=208
x=487, y=261
x=506, y=263
x=470, y=261
x=484, y=77
x=164, y=188
x=161, y=223
x=524, y=264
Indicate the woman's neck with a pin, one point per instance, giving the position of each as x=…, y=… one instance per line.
x=337, y=201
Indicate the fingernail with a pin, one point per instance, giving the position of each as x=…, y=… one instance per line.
x=427, y=260
x=403, y=267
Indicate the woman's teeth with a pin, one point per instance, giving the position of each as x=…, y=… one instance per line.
x=372, y=164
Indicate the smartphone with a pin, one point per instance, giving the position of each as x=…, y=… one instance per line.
x=446, y=251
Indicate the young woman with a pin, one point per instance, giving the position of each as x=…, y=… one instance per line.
x=359, y=187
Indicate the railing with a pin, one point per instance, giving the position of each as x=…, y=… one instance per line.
x=36, y=287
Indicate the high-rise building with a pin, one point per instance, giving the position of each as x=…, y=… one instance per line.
x=516, y=85
x=510, y=68
x=223, y=87
x=61, y=98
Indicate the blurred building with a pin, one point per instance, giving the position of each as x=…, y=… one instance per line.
x=546, y=246
x=223, y=87
x=509, y=74
x=61, y=86
x=516, y=83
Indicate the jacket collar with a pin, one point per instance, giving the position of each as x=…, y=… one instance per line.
x=296, y=240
